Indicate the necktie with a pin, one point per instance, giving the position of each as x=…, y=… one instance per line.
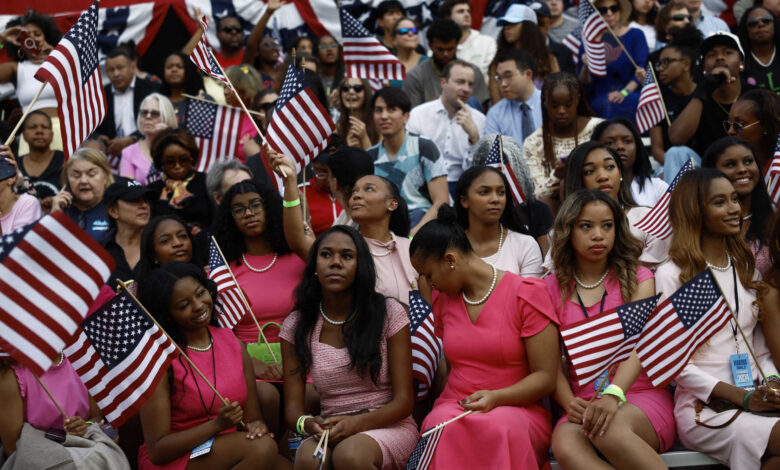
x=528, y=125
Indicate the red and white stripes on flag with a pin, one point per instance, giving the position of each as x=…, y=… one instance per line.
x=422, y=455
x=650, y=110
x=230, y=308
x=591, y=26
x=216, y=131
x=364, y=55
x=300, y=126
x=497, y=159
x=202, y=57
x=120, y=355
x=72, y=70
x=772, y=175
x=50, y=273
x=656, y=222
x=426, y=346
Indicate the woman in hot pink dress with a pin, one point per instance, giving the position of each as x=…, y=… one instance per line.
x=501, y=345
x=596, y=268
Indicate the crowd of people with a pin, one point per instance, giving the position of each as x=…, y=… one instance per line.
x=400, y=206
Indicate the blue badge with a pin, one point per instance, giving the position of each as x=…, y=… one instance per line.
x=740, y=370
x=603, y=378
x=202, y=449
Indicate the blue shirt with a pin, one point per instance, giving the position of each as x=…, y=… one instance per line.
x=709, y=24
x=506, y=117
x=94, y=221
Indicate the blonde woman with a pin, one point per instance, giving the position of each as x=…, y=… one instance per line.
x=154, y=114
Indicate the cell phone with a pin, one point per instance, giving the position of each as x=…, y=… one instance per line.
x=56, y=435
x=29, y=44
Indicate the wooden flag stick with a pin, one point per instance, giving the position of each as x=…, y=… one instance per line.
x=602, y=384
x=617, y=38
x=320, y=443
x=65, y=415
x=246, y=303
x=660, y=95
x=123, y=285
x=439, y=426
x=198, y=98
x=501, y=151
x=303, y=166
x=24, y=116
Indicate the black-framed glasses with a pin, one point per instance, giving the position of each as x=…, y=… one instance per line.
x=403, y=31
x=239, y=210
x=356, y=88
x=231, y=29
x=152, y=113
x=666, y=62
x=681, y=17
x=764, y=20
x=738, y=126
x=613, y=9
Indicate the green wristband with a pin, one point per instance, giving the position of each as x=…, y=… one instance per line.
x=615, y=391
x=745, y=400
x=294, y=203
x=624, y=92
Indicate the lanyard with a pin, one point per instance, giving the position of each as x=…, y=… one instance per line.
x=584, y=310
x=207, y=409
x=734, y=325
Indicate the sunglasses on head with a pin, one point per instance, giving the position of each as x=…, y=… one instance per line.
x=613, y=9
x=681, y=17
x=356, y=88
x=406, y=31
x=765, y=20
x=231, y=29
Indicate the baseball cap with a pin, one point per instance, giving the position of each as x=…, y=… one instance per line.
x=6, y=169
x=125, y=189
x=541, y=9
x=721, y=38
x=517, y=13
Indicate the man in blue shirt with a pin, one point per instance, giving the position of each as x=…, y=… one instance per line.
x=519, y=113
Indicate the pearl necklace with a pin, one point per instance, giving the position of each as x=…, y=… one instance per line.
x=720, y=268
x=252, y=268
x=493, y=259
x=591, y=286
x=211, y=343
x=332, y=322
x=490, y=291
x=379, y=255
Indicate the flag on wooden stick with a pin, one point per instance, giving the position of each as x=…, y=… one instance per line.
x=656, y=222
x=426, y=346
x=216, y=131
x=202, y=57
x=230, y=308
x=364, y=55
x=497, y=159
x=650, y=110
x=772, y=175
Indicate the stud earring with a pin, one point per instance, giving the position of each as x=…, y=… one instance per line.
x=452, y=266
x=741, y=68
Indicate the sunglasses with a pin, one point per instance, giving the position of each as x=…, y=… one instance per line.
x=267, y=106
x=172, y=162
x=152, y=113
x=613, y=9
x=231, y=29
x=328, y=46
x=403, y=31
x=765, y=20
x=681, y=17
x=356, y=88
x=738, y=126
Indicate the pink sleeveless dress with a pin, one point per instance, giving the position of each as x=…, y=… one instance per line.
x=192, y=400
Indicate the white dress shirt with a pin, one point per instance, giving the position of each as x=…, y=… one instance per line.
x=124, y=117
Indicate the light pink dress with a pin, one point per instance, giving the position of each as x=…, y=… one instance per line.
x=490, y=355
x=25, y=211
x=343, y=391
x=655, y=403
x=134, y=163
x=519, y=254
x=742, y=443
x=395, y=274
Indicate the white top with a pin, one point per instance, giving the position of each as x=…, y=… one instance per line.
x=519, y=254
x=124, y=117
x=651, y=193
x=27, y=87
x=432, y=121
x=650, y=34
x=478, y=49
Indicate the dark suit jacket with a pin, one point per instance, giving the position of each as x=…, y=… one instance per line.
x=141, y=90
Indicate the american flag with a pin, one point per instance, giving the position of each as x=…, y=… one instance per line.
x=426, y=346
x=496, y=158
x=231, y=307
x=215, y=128
x=364, y=55
x=772, y=175
x=300, y=126
x=656, y=222
x=120, y=355
x=423, y=452
x=152, y=175
x=72, y=70
x=650, y=110
x=204, y=59
x=680, y=324
x=594, y=344
x=50, y=273
x=591, y=25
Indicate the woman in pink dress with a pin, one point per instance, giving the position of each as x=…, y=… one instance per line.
x=500, y=341
x=183, y=411
x=356, y=345
x=596, y=268
x=705, y=214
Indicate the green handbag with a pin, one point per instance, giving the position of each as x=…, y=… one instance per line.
x=259, y=350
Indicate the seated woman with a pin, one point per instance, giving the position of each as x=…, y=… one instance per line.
x=759, y=33
x=486, y=210
x=24, y=402
x=42, y=166
x=16, y=210
x=183, y=412
x=406, y=42
x=621, y=136
x=704, y=211
x=593, y=165
x=165, y=238
x=180, y=77
x=596, y=268
x=356, y=118
x=500, y=342
x=736, y=159
x=356, y=346
x=155, y=113
x=182, y=189
x=755, y=117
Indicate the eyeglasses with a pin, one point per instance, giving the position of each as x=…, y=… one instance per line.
x=765, y=20
x=152, y=113
x=231, y=29
x=613, y=9
x=403, y=31
x=356, y=88
x=507, y=76
x=239, y=210
x=663, y=63
x=180, y=161
x=681, y=17
x=324, y=47
x=738, y=126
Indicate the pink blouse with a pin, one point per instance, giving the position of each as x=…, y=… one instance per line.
x=395, y=274
x=25, y=211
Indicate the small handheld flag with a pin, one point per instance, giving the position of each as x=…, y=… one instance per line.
x=364, y=55
x=426, y=346
x=497, y=158
x=656, y=222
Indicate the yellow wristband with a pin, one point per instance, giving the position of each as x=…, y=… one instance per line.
x=624, y=92
x=294, y=203
x=615, y=391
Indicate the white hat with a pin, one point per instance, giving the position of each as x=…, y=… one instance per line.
x=517, y=13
